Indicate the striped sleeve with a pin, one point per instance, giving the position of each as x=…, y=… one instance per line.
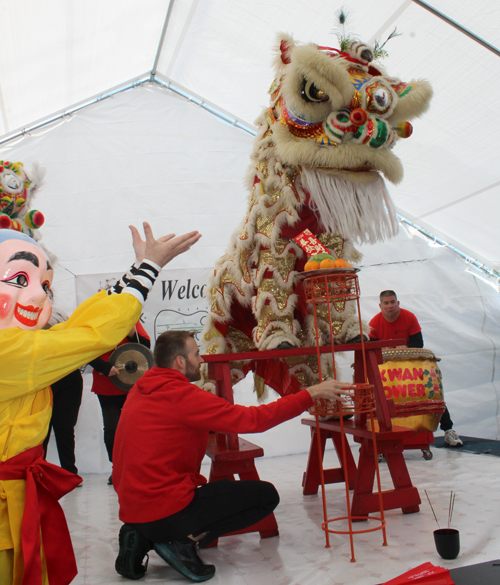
x=137, y=281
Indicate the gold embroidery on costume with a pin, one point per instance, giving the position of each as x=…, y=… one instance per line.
x=266, y=317
x=269, y=285
x=245, y=255
x=281, y=244
x=322, y=313
x=283, y=264
x=261, y=167
x=241, y=341
x=265, y=225
x=213, y=332
x=333, y=241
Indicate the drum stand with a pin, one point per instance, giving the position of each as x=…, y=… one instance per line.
x=339, y=287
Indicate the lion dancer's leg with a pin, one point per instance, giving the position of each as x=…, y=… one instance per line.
x=230, y=321
x=275, y=307
x=275, y=302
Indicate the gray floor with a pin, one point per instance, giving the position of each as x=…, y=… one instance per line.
x=298, y=556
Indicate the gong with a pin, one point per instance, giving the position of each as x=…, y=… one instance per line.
x=131, y=360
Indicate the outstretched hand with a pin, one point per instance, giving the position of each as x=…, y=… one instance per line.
x=332, y=390
x=162, y=250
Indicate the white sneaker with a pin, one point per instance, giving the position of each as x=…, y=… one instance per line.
x=452, y=439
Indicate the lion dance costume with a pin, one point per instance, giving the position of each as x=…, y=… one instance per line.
x=322, y=147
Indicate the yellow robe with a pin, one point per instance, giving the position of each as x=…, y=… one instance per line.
x=29, y=362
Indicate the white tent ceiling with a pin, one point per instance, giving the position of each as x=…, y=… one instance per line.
x=61, y=52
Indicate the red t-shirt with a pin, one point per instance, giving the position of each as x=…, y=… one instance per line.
x=404, y=326
x=162, y=437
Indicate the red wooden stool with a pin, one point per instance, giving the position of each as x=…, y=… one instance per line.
x=231, y=455
x=226, y=463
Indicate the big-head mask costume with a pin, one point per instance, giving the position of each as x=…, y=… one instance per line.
x=32, y=359
x=25, y=279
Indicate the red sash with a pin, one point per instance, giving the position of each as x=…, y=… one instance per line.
x=45, y=484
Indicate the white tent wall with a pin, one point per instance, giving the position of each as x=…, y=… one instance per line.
x=148, y=154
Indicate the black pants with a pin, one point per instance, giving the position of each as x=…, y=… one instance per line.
x=217, y=508
x=67, y=398
x=445, y=424
x=111, y=407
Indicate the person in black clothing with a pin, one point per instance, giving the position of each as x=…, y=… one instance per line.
x=110, y=397
x=66, y=398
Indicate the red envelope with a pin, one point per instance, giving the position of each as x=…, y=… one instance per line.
x=426, y=574
x=310, y=244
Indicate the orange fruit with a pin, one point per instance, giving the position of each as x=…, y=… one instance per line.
x=327, y=263
x=311, y=265
x=340, y=263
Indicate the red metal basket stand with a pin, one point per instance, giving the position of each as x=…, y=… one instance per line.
x=340, y=287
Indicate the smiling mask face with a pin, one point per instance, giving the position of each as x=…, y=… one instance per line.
x=25, y=279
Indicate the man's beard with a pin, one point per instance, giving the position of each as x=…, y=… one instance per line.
x=193, y=374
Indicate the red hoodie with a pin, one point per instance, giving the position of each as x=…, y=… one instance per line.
x=162, y=438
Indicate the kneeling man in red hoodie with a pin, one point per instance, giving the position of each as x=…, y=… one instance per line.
x=166, y=504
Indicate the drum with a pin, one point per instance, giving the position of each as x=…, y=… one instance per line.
x=412, y=378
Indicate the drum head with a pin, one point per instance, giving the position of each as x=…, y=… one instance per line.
x=132, y=360
x=408, y=353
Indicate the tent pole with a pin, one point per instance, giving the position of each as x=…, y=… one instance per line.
x=489, y=272
x=214, y=110
x=71, y=110
x=162, y=38
x=459, y=27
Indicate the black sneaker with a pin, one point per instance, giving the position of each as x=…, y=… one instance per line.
x=133, y=548
x=181, y=555
x=110, y=480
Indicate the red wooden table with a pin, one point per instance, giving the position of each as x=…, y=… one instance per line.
x=231, y=455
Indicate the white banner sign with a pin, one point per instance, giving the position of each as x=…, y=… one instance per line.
x=177, y=300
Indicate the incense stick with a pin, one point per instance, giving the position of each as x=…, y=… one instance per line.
x=449, y=508
x=432, y=509
x=452, y=505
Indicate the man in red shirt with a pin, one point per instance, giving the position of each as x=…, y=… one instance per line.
x=395, y=323
x=160, y=442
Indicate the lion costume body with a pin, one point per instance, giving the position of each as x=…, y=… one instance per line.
x=318, y=159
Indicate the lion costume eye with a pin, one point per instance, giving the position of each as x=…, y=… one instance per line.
x=378, y=97
x=310, y=93
x=12, y=182
x=382, y=97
